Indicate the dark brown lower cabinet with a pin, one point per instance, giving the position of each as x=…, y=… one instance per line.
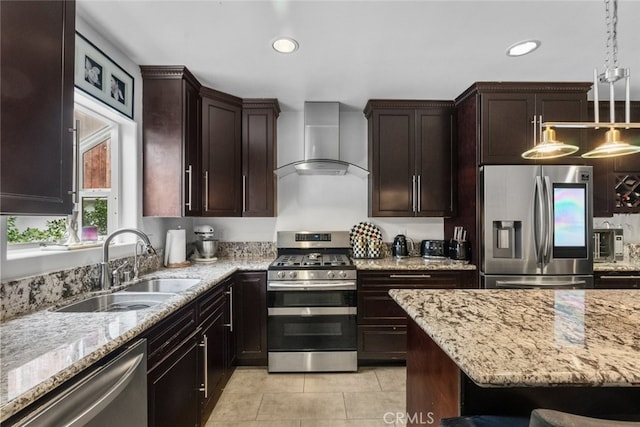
x=172, y=392
x=173, y=376
x=250, y=318
x=191, y=356
x=617, y=280
x=217, y=344
x=382, y=324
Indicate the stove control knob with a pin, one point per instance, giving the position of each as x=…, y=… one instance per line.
x=281, y=274
x=331, y=274
x=342, y=274
x=293, y=275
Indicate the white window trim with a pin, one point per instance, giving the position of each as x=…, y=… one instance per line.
x=28, y=263
x=111, y=132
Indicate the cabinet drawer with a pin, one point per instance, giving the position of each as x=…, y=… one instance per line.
x=209, y=303
x=375, y=307
x=163, y=337
x=411, y=279
x=382, y=342
x=627, y=280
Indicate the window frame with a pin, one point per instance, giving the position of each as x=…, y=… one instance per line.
x=28, y=262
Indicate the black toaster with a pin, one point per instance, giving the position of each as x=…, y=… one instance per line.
x=434, y=248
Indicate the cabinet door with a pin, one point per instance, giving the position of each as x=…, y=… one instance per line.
x=171, y=142
x=507, y=128
x=221, y=157
x=392, y=167
x=173, y=399
x=433, y=162
x=564, y=107
x=37, y=50
x=631, y=162
x=214, y=354
x=250, y=318
x=192, y=150
x=259, y=183
x=381, y=322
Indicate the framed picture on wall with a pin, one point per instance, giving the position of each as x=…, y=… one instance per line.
x=97, y=75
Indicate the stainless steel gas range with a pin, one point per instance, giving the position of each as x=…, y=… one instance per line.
x=311, y=303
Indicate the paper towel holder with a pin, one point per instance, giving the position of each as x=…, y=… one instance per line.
x=175, y=249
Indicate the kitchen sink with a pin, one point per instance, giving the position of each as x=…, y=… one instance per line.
x=165, y=284
x=120, y=301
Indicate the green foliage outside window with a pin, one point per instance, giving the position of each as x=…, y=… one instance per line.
x=96, y=216
x=55, y=231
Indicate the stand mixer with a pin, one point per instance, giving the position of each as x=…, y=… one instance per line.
x=205, y=242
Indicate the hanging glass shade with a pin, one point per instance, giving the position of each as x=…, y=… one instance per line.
x=549, y=147
x=612, y=147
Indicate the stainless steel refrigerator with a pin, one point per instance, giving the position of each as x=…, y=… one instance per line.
x=536, y=226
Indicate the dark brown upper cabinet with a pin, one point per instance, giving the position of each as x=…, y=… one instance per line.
x=617, y=179
x=259, y=183
x=507, y=111
x=410, y=147
x=37, y=69
x=221, y=153
x=171, y=142
x=494, y=126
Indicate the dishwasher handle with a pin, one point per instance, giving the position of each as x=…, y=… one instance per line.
x=114, y=391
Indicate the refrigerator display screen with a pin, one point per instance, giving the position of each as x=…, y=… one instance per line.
x=569, y=220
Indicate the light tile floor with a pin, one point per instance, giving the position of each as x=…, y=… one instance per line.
x=371, y=397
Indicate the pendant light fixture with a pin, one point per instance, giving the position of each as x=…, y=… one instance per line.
x=613, y=145
x=548, y=147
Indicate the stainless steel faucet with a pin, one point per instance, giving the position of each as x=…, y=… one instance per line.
x=105, y=273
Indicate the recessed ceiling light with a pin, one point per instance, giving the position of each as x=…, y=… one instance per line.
x=523, y=47
x=285, y=45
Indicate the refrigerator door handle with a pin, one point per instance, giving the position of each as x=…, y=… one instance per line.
x=548, y=209
x=538, y=223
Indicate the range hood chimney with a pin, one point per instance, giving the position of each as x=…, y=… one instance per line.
x=321, y=144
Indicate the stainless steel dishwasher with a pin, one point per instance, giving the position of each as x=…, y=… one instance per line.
x=114, y=394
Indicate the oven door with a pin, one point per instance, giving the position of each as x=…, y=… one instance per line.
x=296, y=298
x=312, y=329
x=312, y=320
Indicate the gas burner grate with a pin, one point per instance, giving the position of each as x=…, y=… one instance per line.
x=288, y=260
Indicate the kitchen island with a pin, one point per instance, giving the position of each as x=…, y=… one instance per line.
x=494, y=352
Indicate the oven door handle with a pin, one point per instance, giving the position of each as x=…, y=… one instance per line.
x=312, y=311
x=314, y=285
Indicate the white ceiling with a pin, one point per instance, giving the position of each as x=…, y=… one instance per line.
x=351, y=51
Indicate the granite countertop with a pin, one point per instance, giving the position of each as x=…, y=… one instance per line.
x=411, y=263
x=616, y=266
x=508, y=338
x=41, y=350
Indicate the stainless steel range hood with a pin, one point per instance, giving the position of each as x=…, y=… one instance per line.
x=321, y=144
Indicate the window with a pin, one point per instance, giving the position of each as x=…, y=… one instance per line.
x=98, y=187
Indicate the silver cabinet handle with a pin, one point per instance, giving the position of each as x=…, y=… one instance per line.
x=413, y=193
x=230, y=324
x=244, y=193
x=206, y=190
x=75, y=185
x=418, y=191
x=619, y=277
x=189, y=172
x=205, y=345
x=410, y=276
